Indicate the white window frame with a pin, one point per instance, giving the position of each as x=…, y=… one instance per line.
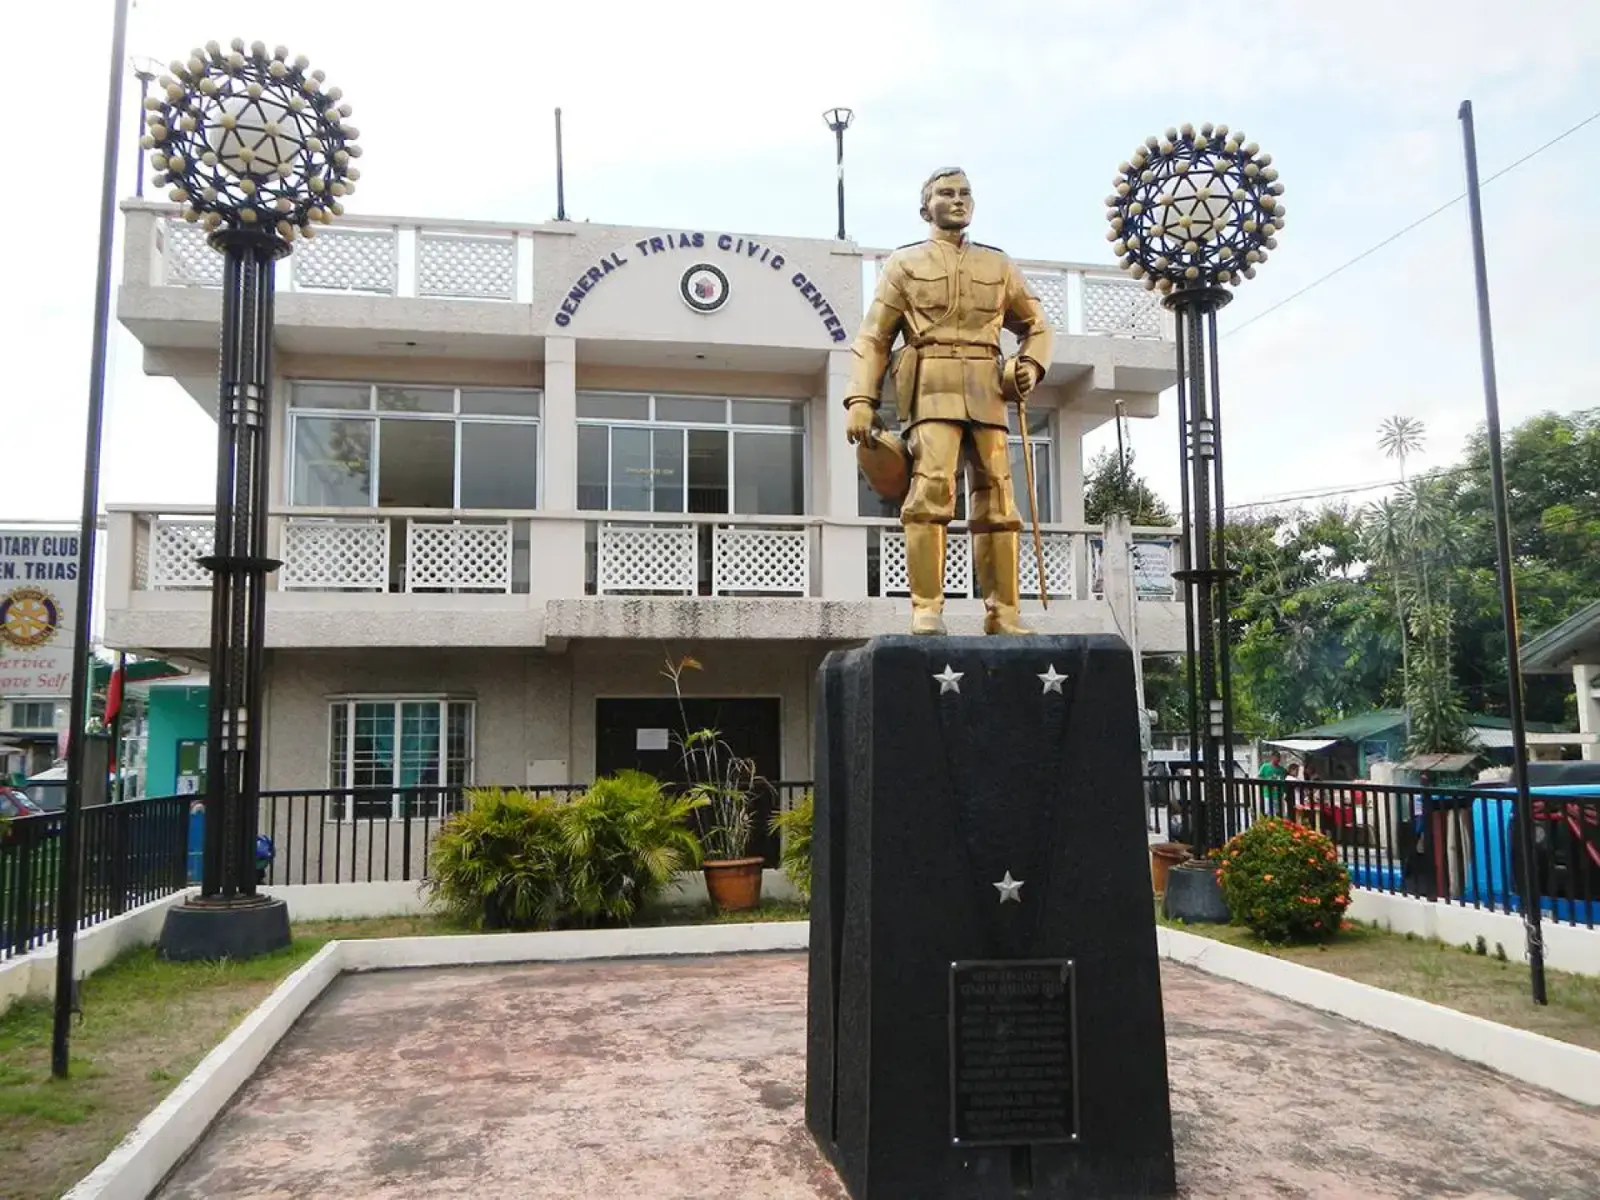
x=376, y=417
x=342, y=810
x=729, y=426
x=17, y=706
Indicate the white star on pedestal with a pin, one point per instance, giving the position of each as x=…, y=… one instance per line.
x=949, y=680
x=1010, y=890
x=1052, y=681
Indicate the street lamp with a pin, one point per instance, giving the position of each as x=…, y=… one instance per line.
x=256, y=149
x=838, y=120
x=1193, y=214
x=145, y=69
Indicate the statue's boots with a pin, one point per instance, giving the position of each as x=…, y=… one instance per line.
x=925, y=568
x=996, y=557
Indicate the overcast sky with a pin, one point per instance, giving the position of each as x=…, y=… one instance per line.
x=705, y=114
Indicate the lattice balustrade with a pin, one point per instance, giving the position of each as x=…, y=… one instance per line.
x=190, y=261
x=771, y=562
x=141, y=556
x=659, y=559
x=894, y=580
x=479, y=268
x=458, y=558
x=1051, y=289
x=1058, y=574
x=174, y=548
x=347, y=260
x=335, y=556
x=1121, y=306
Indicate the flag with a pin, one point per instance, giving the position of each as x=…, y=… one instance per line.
x=114, y=691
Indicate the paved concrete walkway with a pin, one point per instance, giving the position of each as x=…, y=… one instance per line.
x=669, y=1079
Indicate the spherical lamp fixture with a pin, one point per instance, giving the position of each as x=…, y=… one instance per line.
x=1196, y=208
x=246, y=139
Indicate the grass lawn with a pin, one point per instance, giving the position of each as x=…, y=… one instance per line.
x=147, y=1023
x=1450, y=976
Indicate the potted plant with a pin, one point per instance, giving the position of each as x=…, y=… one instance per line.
x=723, y=784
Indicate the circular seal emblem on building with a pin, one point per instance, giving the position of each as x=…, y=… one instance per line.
x=29, y=617
x=704, y=288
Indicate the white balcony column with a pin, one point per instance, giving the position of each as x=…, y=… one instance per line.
x=1116, y=567
x=558, y=425
x=844, y=547
x=1586, y=679
x=119, y=559
x=1068, y=451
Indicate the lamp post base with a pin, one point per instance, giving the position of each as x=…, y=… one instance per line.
x=213, y=929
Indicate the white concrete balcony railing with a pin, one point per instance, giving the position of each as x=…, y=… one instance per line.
x=385, y=258
x=1084, y=299
x=702, y=555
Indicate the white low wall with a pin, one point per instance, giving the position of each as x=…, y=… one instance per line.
x=34, y=973
x=332, y=901
x=1566, y=947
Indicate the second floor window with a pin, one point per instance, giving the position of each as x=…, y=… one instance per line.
x=690, y=454
x=363, y=446
x=33, y=714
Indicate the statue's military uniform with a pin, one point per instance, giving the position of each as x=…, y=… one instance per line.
x=949, y=302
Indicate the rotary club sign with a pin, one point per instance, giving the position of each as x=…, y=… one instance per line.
x=38, y=595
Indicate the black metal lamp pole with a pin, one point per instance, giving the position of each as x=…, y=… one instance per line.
x=238, y=565
x=1192, y=215
x=257, y=149
x=838, y=120
x=144, y=70
x=1532, y=912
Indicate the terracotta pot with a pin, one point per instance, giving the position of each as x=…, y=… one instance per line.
x=1163, y=857
x=734, y=884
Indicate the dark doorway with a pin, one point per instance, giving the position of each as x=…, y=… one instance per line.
x=642, y=735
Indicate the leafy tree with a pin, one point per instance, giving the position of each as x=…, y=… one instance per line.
x=1112, y=486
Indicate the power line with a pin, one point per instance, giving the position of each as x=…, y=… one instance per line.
x=1396, y=236
x=1327, y=493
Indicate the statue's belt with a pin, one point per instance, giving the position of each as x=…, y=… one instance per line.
x=954, y=350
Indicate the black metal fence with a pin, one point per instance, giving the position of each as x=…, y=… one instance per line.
x=384, y=835
x=1431, y=843
x=132, y=853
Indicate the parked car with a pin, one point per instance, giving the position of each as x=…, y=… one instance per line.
x=15, y=803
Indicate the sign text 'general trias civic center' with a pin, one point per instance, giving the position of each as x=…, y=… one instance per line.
x=704, y=286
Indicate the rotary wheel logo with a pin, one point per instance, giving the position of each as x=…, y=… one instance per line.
x=29, y=617
x=704, y=288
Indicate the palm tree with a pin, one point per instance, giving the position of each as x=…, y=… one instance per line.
x=1399, y=437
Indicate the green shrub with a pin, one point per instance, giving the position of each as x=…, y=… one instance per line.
x=501, y=861
x=526, y=861
x=1284, y=881
x=794, y=827
x=625, y=838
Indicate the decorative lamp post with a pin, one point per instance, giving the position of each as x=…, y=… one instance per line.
x=145, y=70
x=1193, y=214
x=256, y=149
x=838, y=120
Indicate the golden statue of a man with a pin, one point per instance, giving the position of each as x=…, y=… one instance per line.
x=948, y=298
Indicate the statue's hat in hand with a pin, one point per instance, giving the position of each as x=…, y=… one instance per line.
x=886, y=463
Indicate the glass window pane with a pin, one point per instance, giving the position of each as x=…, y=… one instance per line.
x=768, y=473
x=372, y=752
x=667, y=464
x=416, y=464
x=630, y=470
x=708, y=470
x=613, y=406
x=458, y=745
x=332, y=462
x=869, y=503
x=416, y=400
x=353, y=396
x=593, y=481
x=338, y=744
x=1041, y=479
x=697, y=412
x=419, y=743
x=500, y=402
x=498, y=465
x=769, y=412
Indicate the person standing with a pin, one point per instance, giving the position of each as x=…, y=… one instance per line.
x=1272, y=796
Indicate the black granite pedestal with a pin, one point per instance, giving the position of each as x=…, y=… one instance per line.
x=985, y=1000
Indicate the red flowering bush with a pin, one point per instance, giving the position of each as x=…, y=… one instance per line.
x=1284, y=881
